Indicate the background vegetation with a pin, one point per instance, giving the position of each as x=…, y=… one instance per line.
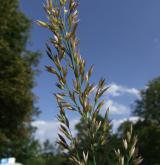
x=16, y=82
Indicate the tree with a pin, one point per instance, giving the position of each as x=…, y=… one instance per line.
x=147, y=108
x=148, y=129
x=16, y=82
x=47, y=155
x=149, y=141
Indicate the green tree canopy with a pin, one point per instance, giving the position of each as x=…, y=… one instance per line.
x=16, y=83
x=147, y=108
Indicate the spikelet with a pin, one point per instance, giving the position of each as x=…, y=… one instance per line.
x=129, y=155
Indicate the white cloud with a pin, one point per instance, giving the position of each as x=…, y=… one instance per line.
x=116, y=108
x=118, y=90
x=46, y=130
x=49, y=129
x=117, y=122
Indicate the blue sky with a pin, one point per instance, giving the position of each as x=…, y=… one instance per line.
x=121, y=39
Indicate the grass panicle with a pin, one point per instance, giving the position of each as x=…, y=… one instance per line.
x=129, y=154
x=77, y=94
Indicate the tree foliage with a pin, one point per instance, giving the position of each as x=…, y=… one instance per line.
x=47, y=155
x=147, y=108
x=16, y=83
